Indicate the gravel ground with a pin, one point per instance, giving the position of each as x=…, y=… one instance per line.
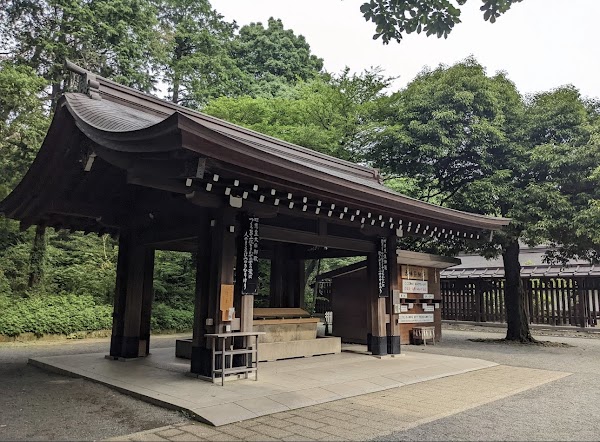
x=37, y=405
x=568, y=409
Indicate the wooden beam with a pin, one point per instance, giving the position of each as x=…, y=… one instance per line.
x=322, y=253
x=281, y=234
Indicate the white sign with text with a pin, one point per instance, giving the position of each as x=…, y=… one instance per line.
x=414, y=318
x=412, y=286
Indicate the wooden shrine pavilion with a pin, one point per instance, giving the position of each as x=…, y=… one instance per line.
x=161, y=176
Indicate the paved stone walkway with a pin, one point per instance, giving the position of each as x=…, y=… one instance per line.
x=282, y=385
x=371, y=415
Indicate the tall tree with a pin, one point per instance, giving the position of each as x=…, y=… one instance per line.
x=328, y=114
x=274, y=57
x=395, y=18
x=117, y=39
x=198, y=65
x=471, y=143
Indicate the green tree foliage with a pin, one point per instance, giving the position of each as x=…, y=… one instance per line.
x=328, y=114
x=116, y=39
x=472, y=143
x=175, y=279
x=198, y=65
x=23, y=121
x=273, y=57
x=395, y=18
x=448, y=128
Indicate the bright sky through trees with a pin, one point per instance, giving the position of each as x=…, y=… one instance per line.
x=542, y=44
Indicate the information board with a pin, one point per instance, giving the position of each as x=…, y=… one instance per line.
x=413, y=286
x=415, y=318
x=382, y=268
x=250, y=240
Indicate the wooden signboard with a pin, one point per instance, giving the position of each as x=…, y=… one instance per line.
x=250, y=241
x=414, y=272
x=226, y=301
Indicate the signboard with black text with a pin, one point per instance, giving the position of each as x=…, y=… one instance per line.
x=412, y=318
x=250, y=240
x=382, y=268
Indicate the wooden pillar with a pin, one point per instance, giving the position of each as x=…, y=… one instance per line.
x=147, y=300
x=393, y=285
x=378, y=341
x=134, y=267
x=300, y=283
x=201, y=355
x=293, y=278
x=220, y=265
x=276, y=281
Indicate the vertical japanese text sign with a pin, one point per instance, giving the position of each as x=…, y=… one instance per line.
x=250, y=257
x=382, y=267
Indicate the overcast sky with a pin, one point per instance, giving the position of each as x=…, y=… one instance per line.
x=541, y=44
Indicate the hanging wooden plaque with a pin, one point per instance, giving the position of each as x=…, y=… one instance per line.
x=250, y=239
x=382, y=268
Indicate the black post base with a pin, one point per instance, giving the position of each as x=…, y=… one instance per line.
x=369, y=336
x=393, y=345
x=379, y=345
x=201, y=361
x=125, y=347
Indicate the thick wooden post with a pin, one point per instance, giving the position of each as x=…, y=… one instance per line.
x=201, y=355
x=222, y=261
x=393, y=285
x=134, y=267
x=116, y=340
x=293, y=278
x=378, y=324
x=276, y=281
x=147, y=300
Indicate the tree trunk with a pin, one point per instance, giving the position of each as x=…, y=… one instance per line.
x=514, y=296
x=37, y=257
x=175, y=96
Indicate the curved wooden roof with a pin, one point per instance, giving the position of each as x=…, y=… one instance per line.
x=138, y=134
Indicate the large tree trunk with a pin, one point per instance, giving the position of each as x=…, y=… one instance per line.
x=37, y=257
x=514, y=296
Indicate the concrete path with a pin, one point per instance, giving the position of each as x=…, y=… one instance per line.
x=282, y=386
x=370, y=415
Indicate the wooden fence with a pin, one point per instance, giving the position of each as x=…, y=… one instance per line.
x=323, y=301
x=551, y=301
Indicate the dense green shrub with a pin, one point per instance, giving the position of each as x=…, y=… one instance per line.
x=66, y=314
x=169, y=318
x=56, y=314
